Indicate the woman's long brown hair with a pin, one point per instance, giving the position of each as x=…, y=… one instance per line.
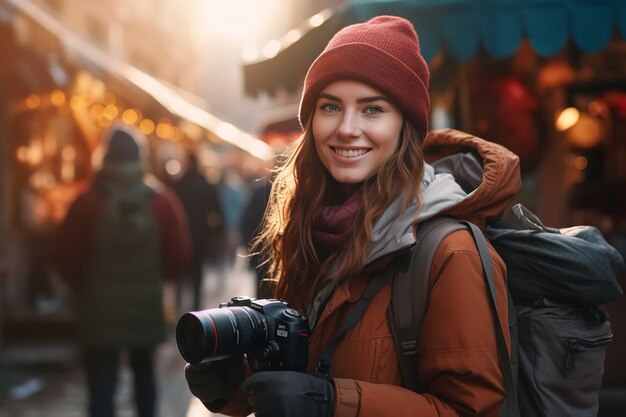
x=285, y=242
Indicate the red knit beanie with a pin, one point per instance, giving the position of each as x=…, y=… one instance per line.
x=383, y=52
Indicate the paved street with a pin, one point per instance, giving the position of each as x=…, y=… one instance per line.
x=46, y=380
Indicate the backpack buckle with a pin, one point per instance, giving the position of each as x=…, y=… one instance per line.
x=322, y=369
x=409, y=347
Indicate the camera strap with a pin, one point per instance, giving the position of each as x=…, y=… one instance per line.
x=322, y=369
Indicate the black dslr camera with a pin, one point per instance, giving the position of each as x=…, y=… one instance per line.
x=272, y=335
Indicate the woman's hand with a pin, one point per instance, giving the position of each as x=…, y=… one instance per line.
x=215, y=382
x=287, y=394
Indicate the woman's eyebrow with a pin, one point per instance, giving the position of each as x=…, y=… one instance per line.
x=371, y=99
x=360, y=100
x=328, y=97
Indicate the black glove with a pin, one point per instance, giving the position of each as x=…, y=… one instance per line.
x=286, y=394
x=215, y=383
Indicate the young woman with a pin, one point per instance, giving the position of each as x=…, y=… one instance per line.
x=346, y=202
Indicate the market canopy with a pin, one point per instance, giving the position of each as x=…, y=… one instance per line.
x=461, y=27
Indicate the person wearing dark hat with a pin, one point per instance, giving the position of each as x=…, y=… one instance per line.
x=202, y=205
x=344, y=205
x=120, y=240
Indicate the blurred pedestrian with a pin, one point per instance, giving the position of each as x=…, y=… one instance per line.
x=233, y=195
x=118, y=243
x=201, y=202
x=250, y=225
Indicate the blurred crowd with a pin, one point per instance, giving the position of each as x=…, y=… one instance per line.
x=131, y=255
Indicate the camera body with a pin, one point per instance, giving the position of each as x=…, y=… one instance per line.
x=271, y=334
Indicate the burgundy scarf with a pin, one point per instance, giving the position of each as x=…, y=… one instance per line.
x=333, y=225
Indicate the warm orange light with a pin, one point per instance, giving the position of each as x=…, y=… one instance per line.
x=57, y=98
x=588, y=132
x=83, y=80
x=130, y=116
x=42, y=180
x=76, y=103
x=164, y=130
x=110, y=111
x=79, y=102
x=96, y=111
x=68, y=172
x=35, y=152
x=98, y=90
x=146, y=126
x=33, y=101
x=104, y=122
x=567, y=118
x=23, y=153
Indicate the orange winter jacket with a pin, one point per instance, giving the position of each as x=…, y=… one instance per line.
x=459, y=368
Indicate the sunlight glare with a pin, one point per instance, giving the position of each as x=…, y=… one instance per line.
x=272, y=48
x=293, y=35
x=249, y=53
x=237, y=19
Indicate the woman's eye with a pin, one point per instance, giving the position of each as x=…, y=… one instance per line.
x=329, y=107
x=373, y=110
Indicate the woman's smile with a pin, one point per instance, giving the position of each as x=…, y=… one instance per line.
x=350, y=153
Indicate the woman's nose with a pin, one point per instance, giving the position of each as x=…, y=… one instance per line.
x=350, y=126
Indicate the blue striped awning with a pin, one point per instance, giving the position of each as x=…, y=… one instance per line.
x=460, y=27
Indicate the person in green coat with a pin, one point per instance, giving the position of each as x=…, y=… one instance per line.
x=121, y=239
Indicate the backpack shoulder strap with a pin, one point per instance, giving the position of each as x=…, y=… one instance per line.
x=510, y=407
x=410, y=300
x=410, y=294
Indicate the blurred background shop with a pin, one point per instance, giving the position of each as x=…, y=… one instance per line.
x=546, y=78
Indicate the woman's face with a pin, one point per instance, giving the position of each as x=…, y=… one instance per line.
x=356, y=130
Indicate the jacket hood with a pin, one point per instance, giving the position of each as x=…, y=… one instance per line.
x=488, y=172
x=464, y=176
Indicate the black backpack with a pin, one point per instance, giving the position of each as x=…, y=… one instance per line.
x=556, y=279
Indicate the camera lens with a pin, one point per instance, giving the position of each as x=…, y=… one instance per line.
x=192, y=336
x=217, y=333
